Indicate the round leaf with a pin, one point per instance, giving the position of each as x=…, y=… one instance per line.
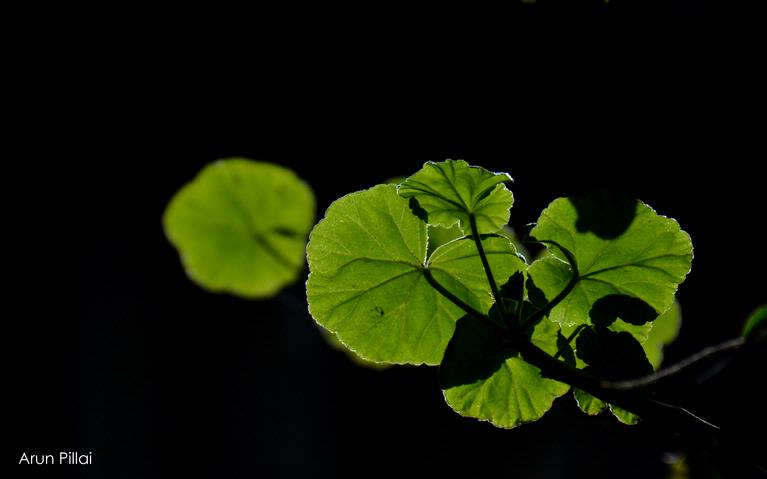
x=621, y=247
x=240, y=227
x=368, y=282
x=450, y=191
x=485, y=379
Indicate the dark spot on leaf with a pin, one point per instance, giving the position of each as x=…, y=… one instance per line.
x=606, y=310
x=417, y=210
x=604, y=213
x=378, y=310
x=288, y=233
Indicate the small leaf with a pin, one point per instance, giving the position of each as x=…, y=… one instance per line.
x=756, y=321
x=588, y=403
x=240, y=227
x=628, y=418
x=664, y=331
x=367, y=281
x=484, y=378
x=621, y=247
x=450, y=191
x=592, y=406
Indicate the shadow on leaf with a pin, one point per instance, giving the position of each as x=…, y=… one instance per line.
x=421, y=213
x=604, y=213
x=607, y=309
x=474, y=353
x=612, y=355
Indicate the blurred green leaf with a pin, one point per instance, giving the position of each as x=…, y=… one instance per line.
x=240, y=227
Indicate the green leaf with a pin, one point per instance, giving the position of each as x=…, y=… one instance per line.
x=368, y=278
x=588, y=403
x=449, y=192
x=593, y=406
x=755, y=322
x=628, y=418
x=240, y=227
x=439, y=235
x=664, y=331
x=482, y=377
x=620, y=246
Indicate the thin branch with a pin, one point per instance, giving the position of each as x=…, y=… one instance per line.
x=707, y=353
x=536, y=316
x=625, y=399
x=485, y=263
x=458, y=301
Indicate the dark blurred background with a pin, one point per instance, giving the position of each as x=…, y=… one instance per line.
x=115, y=351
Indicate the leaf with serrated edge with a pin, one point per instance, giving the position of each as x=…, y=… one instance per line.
x=367, y=283
x=449, y=191
x=240, y=227
x=628, y=418
x=484, y=380
x=647, y=259
x=588, y=403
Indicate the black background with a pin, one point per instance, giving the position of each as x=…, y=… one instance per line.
x=114, y=351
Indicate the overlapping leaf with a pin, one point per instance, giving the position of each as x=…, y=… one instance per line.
x=451, y=191
x=621, y=247
x=240, y=227
x=368, y=278
x=482, y=377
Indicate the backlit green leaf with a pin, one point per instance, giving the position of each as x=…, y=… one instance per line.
x=240, y=227
x=628, y=418
x=368, y=283
x=588, y=403
x=450, y=191
x=484, y=378
x=621, y=247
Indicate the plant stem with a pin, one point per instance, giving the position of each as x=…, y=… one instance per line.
x=622, y=393
x=709, y=352
x=455, y=299
x=626, y=399
x=486, y=264
x=538, y=315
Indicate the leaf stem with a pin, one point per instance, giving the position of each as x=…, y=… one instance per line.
x=486, y=264
x=550, y=366
x=625, y=399
x=455, y=299
x=533, y=319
